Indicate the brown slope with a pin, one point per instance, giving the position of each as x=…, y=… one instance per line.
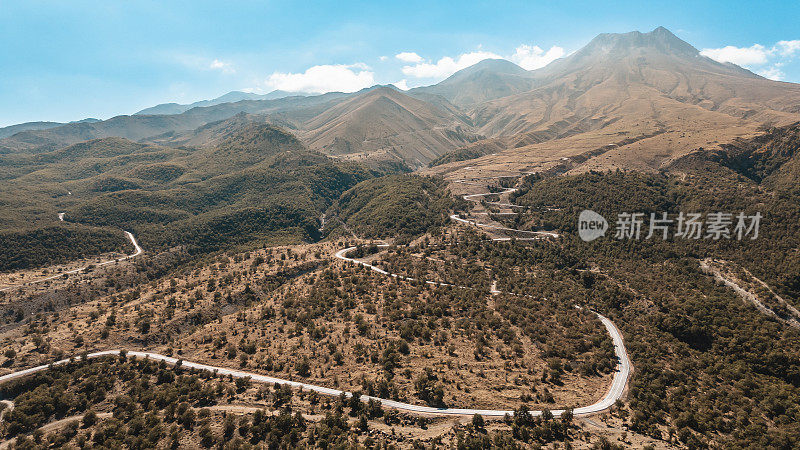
x=384, y=123
x=487, y=80
x=635, y=100
x=214, y=133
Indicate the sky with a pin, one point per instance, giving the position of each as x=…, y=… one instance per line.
x=69, y=60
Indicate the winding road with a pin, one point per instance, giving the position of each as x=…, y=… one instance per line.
x=707, y=267
x=540, y=234
x=137, y=251
x=614, y=393
x=533, y=235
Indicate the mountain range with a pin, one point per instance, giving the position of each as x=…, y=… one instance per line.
x=14, y=129
x=633, y=100
x=230, y=97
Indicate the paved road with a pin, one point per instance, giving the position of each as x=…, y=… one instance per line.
x=137, y=251
x=541, y=234
x=614, y=392
x=705, y=266
x=472, y=197
x=342, y=254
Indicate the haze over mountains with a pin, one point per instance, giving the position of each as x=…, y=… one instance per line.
x=633, y=100
x=14, y=129
x=230, y=97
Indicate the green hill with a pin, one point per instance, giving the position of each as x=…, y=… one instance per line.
x=261, y=185
x=395, y=205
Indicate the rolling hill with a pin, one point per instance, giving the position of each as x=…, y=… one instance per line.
x=259, y=185
x=230, y=97
x=384, y=123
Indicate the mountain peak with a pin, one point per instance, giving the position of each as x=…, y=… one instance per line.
x=501, y=66
x=660, y=39
x=485, y=80
x=382, y=89
x=259, y=137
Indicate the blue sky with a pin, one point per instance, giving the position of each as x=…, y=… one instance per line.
x=67, y=60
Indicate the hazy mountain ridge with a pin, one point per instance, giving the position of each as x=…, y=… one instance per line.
x=141, y=127
x=486, y=80
x=230, y=97
x=32, y=126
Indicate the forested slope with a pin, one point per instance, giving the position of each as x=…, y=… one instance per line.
x=395, y=205
x=710, y=368
x=259, y=185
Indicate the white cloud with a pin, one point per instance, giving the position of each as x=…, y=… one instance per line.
x=402, y=85
x=773, y=72
x=222, y=66
x=447, y=65
x=756, y=54
x=527, y=56
x=765, y=61
x=324, y=78
x=788, y=48
x=383, y=58
x=197, y=62
x=533, y=57
x=409, y=57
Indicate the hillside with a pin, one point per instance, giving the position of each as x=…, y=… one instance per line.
x=214, y=133
x=230, y=97
x=258, y=185
x=487, y=80
x=384, y=123
x=394, y=206
x=635, y=101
